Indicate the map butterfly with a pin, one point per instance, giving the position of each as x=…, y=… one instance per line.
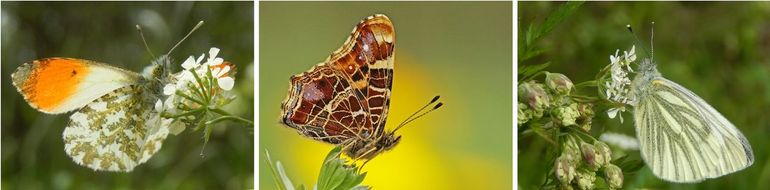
x=345, y=99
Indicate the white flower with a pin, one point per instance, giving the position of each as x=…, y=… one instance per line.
x=618, y=89
x=185, y=82
x=612, y=112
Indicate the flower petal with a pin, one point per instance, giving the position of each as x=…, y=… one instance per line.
x=213, y=53
x=189, y=63
x=216, y=61
x=226, y=83
x=158, y=106
x=169, y=89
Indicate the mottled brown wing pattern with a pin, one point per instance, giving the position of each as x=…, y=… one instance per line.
x=346, y=97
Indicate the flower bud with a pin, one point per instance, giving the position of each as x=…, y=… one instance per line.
x=534, y=95
x=564, y=169
x=524, y=115
x=614, y=176
x=590, y=157
x=571, y=150
x=603, y=151
x=567, y=115
x=586, y=116
x=558, y=83
x=585, y=179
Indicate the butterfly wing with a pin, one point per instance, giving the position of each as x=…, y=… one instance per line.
x=347, y=95
x=683, y=138
x=115, y=132
x=59, y=85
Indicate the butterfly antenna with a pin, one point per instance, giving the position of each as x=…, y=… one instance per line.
x=147, y=47
x=421, y=112
x=649, y=53
x=185, y=37
x=652, y=35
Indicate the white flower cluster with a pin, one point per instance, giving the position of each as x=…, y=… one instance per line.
x=185, y=82
x=619, y=87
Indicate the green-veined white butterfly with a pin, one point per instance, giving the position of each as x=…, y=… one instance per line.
x=682, y=138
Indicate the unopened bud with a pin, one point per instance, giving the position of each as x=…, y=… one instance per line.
x=567, y=115
x=564, y=169
x=603, y=151
x=558, y=83
x=585, y=179
x=524, y=115
x=614, y=176
x=534, y=95
x=590, y=157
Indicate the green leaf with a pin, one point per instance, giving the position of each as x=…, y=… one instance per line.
x=336, y=174
x=527, y=71
x=531, y=53
x=545, y=133
x=628, y=165
x=278, y=173
x=555, y=18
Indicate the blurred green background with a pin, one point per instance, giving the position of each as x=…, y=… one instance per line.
x=459, y=50
x=32, y=150
x=719, y=50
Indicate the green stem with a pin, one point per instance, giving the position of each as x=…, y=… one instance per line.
x=202, y=87
x=179, y=93
x=186, y=113
x=230, y=117
x=586, y=83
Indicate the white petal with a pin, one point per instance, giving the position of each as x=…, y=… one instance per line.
x=189, y=63
x=216, y=72
x=158, y=106
x=200, y=58
x=226, y=83
x=612, y=112
x=225, y=70
x=213, y=52
x=216, y=61
x=169, y=89
x=170, y=103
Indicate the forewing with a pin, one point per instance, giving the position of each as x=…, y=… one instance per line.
x=366, y=59
x=347, y=95
x=116, y=132
x=683, y=138
x=59, y=85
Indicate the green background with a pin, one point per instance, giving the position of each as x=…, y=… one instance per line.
x=459, y=50
x=717, y=50
x=32, y=150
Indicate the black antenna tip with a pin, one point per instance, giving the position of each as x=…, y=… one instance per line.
x=628, y=26
x=435, y=99
x=438, y=105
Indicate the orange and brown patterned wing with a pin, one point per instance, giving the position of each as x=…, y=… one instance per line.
x=346, y=96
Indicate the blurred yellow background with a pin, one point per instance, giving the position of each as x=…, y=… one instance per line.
x=459, y=50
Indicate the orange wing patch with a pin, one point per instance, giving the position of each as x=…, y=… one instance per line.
x=47, y=83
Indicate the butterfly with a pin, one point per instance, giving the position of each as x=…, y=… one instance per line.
x=345, y=99
x=682, y=138
x=115, y=126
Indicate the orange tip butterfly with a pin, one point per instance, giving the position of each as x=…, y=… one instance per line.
x=115, y=126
